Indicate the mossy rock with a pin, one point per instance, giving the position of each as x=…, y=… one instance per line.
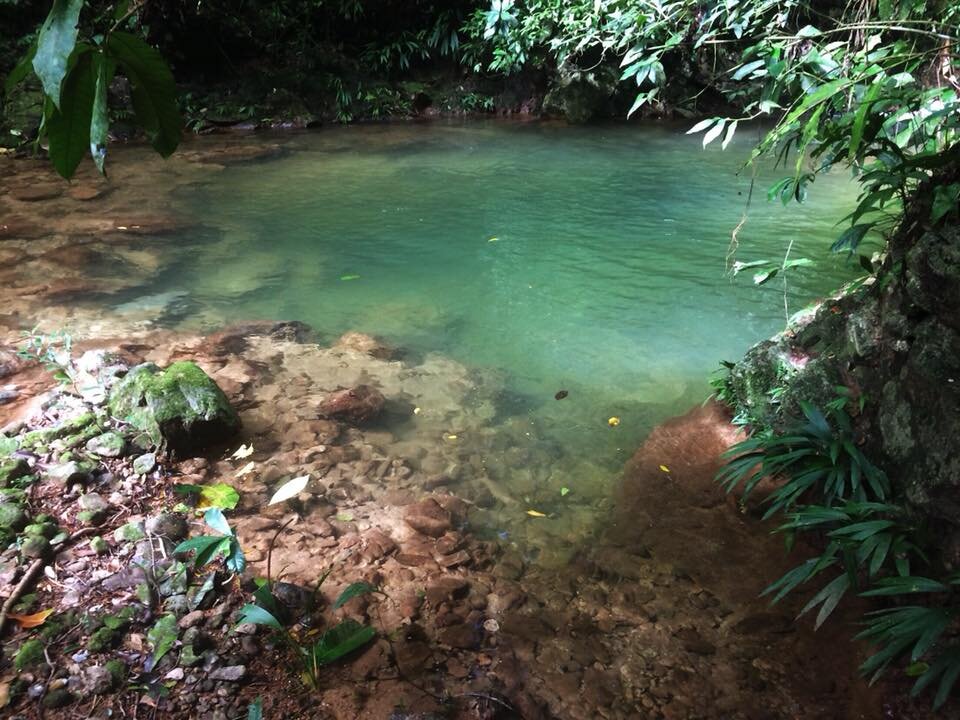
x=35, y=547
x=104, y=639
x=45, y=436
x=58, y=698
x=29, y=655
x=13, y=518
x=118, y=672
x=12, y=470
x=179, y=407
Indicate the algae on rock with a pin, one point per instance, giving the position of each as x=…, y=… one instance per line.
x=179, y=407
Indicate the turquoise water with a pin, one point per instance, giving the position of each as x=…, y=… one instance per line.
x=585, y=259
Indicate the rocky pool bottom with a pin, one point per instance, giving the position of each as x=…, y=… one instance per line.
x=632, y=595
x=654, y=615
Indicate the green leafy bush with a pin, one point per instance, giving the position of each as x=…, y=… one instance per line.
x=828, y=489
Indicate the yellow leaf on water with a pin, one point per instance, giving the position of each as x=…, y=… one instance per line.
x=493, y=239
x=451, y=437
x=536, y=513
x=31, y=621
x=246, y=469
x=665, y=468
x=614, y=421
x=244, y=451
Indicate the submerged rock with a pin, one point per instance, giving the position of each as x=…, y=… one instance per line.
x=357, y=405
x=366, y=344
x=179, y=407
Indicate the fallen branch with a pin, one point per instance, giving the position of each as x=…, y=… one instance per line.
x=30, y=575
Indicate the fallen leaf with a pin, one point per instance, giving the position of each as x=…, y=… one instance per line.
x=349, y=277
x=536, y=513
x=244, y=451
x=493, y=239
x=344, y=517
x=560, y=395
x=246, y=469
x=220, y=495
x=564, y=491
x=665, y=468
x=614, y=421
x=416, y=411
x=451, y=437
x=31, y=621
x=289, y=489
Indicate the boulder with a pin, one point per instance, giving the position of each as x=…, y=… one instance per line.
x=357, y=405
x=179, y=407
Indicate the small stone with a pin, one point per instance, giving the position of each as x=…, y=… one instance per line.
x=191, y=619
x=131, y=532
x=57, y=698
x=110, y=444
x=144, y=463
x=97, y=680
x=35, y=546
x=92, y=501
x=176, y=604
x=69, y=473
x=169, y=525
x=231, y=673
x=463, y=636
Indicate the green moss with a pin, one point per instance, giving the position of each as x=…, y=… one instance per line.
x=26, y=604
x=12, y=470
x=41, y=529
x=57, y=698
x=29, y=655
x=180, y=406
x=91, y=517
x=99, y=545
x=118, y=672
x=103, y=639
x=13, y=519
x=47, y=435
x=35, y=547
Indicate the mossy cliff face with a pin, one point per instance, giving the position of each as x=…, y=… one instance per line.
x=896, y=344
x=179, y=407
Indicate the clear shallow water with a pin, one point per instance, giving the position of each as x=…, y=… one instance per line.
x=586, y=259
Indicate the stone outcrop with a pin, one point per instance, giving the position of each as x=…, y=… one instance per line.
x=894, y=344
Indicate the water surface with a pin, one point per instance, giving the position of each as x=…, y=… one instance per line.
x=591, y=259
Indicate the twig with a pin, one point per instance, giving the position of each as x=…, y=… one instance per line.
x=35, y=567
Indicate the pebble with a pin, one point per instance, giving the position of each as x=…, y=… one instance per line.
x=144, y=463
x=231, y=673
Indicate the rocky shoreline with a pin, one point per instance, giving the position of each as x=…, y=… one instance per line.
x=467, y=627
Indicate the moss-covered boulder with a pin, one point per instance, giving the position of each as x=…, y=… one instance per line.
x=179, y=407
x=12, y=470
x=13, y=519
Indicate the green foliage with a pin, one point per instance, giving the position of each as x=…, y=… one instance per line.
x=827, y=488
x=312, y=654
x=75, y=77
x=818, y=457
x=210, y=547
